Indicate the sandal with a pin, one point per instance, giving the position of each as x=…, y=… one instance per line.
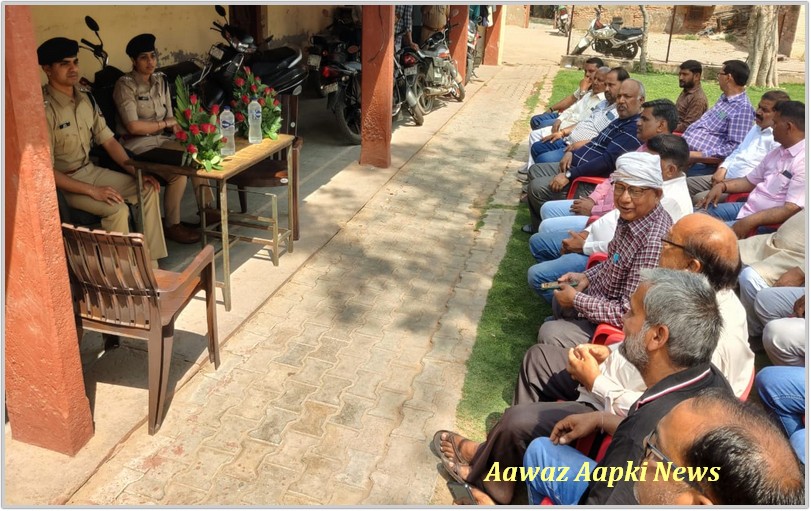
x=452, y=471
x=437, y=446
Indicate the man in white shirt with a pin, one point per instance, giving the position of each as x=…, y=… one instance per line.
x=757, y=144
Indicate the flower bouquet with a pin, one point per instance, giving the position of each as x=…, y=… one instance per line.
x=198, y=132
x=246, y=86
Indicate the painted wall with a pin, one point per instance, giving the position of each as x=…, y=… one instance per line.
x=181, y=31
x=295, y=23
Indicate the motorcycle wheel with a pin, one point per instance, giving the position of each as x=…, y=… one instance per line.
x=629, y=52
x=578, y=50
x=458, y=92
x=425, y=102
x=348, y=117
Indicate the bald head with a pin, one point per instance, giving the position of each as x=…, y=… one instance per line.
x=703, y=244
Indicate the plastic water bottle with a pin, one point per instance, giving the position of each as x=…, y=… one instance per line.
x=228, y=131
x=254, y=122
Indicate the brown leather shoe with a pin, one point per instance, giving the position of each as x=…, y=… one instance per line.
x=181, y=234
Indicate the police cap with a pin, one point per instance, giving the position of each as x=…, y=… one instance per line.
x=140, y=44
x=56, y=49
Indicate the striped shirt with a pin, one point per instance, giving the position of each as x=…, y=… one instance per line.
x=598, y=157
x=636, y=246
x=722, y=128
x=601, y=116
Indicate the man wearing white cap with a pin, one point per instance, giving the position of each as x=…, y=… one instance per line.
x=602, y=293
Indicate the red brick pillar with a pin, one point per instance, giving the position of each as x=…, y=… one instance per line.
x=377, y=83
x=45, y=394
x=458, y=36
x=492, y=38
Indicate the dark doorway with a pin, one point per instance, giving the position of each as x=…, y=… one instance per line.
x=248, y=17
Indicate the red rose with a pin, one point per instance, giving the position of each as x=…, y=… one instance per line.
x=254, y=88
x=268, y=91
x=233, y=103
x=208, y=129
x=247, y=70
x=239, y=82
x=246, y=99
x=195, y=129
x=193, y=99
x=215, y=109
x=239, y=117
x=258, y=81
x=191, y=149
x=187, y=114
x=276, y=102
x=182, y=136
x=261, y=101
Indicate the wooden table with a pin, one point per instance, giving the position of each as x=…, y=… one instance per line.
x=246, y=156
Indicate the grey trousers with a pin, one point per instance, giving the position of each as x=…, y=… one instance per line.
x=699, y=186
x=566, y=330
x=538, y=191
x=783, y=337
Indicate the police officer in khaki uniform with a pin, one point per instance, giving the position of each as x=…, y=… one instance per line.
x=434, y=19
x=74, y=122
x=144, y=114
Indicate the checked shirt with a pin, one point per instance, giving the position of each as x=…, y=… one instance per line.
x=636, y=246
x=722, y=128
x=599, y=157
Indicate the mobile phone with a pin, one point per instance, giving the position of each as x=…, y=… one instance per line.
x=556, y=285
x=461, y=494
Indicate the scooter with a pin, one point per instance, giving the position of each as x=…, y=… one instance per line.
x=611, y=40
x=437, y=75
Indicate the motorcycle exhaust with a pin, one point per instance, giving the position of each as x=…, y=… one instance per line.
x=411, y=99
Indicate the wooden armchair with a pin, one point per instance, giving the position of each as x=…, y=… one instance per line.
x=116, y=291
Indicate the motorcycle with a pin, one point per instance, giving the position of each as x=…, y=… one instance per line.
x=405, y=66
x=437, y=74
x=611, y=40
x=562, y=19
x=472, y=50
x=340, y=82
x=279, y=68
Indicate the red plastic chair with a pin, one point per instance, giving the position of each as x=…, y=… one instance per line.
x=742, y=197
x=596, y=258
x=582, y=180
x=746, y=392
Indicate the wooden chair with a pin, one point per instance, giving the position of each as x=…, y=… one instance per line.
x=273, y=171
x=116, y=291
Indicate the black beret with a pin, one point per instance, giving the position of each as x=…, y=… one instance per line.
x=140, y=44
x=56, y=49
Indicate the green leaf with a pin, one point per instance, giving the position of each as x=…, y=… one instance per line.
x=207, y=165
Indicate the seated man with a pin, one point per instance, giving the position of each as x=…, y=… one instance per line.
x=657, y=117
x=671, y=347
x=782, y=392
x=601, y=293
x=73, y=123
x=550, y=181
x=609, y=382
x=558, y=254
x=692, y=102
x=593, y=105
x=548, y=118
x=772, y=261
x=777, y=184
x=757, y=144
x=723, y=127
x=741, y=458
x=782, y=311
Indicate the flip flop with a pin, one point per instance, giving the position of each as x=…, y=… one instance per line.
x=437, y=447
x=452, y=471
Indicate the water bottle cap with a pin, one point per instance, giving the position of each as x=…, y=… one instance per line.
x=253, y=98
x=228, y=108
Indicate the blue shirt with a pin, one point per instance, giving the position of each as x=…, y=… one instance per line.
x=599, y=157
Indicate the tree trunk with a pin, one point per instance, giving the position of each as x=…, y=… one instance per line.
x=643, y=50
x=762, y=58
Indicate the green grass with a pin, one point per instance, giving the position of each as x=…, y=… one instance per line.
x=660, y=85
x=509, y=325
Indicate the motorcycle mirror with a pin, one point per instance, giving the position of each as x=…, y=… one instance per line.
x=220, y=10
x=91, y=24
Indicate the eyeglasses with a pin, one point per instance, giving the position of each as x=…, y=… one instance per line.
x=686, y=250
x=634, y=192
x=650, y=448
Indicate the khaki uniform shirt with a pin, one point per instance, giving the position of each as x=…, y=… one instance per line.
x=139, y=101
x=435, y=17
x=74, y=124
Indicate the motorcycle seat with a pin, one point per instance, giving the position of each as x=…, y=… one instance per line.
x=281, y=57
x=627, y=33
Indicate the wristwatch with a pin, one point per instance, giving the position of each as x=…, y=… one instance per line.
x=568, y=174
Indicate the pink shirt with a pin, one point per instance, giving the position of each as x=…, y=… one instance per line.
x=603, y=197
x=780, y=178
